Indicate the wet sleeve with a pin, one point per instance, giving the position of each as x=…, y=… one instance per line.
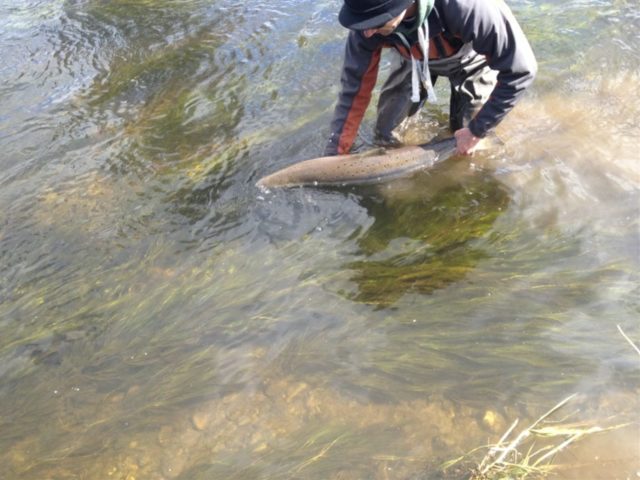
x=359, y=74
x=494, y=32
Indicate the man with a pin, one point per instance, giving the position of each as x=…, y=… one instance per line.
x=477, y=44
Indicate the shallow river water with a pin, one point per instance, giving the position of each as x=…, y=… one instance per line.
x=162, y=318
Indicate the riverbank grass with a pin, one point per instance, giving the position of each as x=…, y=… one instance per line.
x=530, y=453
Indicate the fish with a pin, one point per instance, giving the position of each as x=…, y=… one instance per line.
x=363, y=168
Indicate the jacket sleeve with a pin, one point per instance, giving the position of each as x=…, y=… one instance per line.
x=494, y=32
x=359, y=74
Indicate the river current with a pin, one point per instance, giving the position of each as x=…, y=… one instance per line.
x=161, y=317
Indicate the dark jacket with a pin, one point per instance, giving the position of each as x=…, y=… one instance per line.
x=488, y=26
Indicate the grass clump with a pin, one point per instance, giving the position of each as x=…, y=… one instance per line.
x=530, y=453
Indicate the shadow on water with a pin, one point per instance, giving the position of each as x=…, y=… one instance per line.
x=159, y=319
x=419, y=245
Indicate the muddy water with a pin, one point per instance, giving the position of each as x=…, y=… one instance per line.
x=161, y=318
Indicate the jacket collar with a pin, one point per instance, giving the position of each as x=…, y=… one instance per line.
x=422, y=12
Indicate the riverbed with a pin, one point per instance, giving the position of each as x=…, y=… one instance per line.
x=161, y=317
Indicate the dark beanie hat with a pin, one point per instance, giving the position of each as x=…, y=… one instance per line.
x=364, y=14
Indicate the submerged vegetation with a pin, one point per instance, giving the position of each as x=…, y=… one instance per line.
x=160, y=318
x=422, y=246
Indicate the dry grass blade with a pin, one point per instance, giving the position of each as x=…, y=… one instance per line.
x=628, y=339
x=317, y=457
x=573, y=429
x=557, y=449
x=497, y=447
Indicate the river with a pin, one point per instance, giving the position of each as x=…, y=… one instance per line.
x=161, y=317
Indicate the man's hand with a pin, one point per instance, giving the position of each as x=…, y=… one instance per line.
x=466, y=142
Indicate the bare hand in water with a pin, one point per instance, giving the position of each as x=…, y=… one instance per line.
x=466, y=141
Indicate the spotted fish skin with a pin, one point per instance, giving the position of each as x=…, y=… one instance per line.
x=363, y=168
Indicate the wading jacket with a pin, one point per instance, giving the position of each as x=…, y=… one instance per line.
x=482, y=27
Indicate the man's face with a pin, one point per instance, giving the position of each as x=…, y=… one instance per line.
x=387, y=28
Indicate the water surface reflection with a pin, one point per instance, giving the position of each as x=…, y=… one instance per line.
x=161, y=318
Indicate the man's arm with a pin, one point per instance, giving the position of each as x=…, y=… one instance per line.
x=359, y=74
x=494, y=32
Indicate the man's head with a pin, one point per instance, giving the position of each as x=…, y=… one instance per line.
x=377, y=16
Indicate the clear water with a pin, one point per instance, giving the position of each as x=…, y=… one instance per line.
x=162, y=318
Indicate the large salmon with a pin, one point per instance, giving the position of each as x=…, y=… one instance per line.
x=363, y=168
